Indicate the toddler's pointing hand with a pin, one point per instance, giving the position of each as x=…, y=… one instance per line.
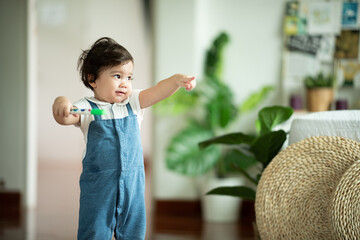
x=185, y=81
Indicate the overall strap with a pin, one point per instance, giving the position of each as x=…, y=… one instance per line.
x=129, y=109
x=94, y=106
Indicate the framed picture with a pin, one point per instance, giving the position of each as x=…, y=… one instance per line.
x=350, y=71
x=347, y=45
x=350, y=15
x=324, y=17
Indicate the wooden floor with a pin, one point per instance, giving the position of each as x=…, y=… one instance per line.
x=57, y=214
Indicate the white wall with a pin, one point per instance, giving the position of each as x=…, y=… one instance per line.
x=32, y=71
x=253, y=57
x=13, y=94
x=66, y=27
x=183, y=30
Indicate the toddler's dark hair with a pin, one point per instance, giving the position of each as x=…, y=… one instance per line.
x=104, y=53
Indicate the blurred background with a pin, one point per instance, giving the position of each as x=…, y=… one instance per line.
x=41, y=41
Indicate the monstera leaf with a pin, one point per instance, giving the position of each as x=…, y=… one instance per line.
x=229, y=139
x=184, y=156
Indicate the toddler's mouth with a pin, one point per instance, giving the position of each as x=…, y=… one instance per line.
x=120, y=93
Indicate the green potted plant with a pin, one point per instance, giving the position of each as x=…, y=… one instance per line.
x=260, y=148
x=215, y=108
x=210, y=109
x=319, y=92
x=246, y=148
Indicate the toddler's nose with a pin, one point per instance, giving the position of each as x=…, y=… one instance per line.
x=123, y=83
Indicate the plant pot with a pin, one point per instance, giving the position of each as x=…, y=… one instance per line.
x=218, y=208
x=319, y=99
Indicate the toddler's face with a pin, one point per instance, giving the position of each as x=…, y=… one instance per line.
x=114, y=83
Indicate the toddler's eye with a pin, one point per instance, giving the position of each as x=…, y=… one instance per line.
x=130, y=78
x=117, y=76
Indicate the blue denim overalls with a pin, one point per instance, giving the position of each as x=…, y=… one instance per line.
x=112, y=183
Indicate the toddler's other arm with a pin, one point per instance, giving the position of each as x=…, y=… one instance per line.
x=61, y=112
x=165, y=88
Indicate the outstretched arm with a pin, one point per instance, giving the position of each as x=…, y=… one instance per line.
x=61, y=112
x=165, y=89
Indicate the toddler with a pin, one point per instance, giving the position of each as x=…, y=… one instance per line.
x=112, y=181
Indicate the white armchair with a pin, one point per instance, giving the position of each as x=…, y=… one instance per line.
x=343, y=123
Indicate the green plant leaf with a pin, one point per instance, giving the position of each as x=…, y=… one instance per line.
x=320, y=80
x=267, y=146
x=258, y=176
x=184, y=156
x=270, y=117
x=230, y=139
x=214, y=56
x=181, y=102
x=220, y=106
x=237, y=191
x=235, y=159
x=255, y=99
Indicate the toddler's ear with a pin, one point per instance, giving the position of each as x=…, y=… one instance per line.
x=90, y=79
x=92, y=84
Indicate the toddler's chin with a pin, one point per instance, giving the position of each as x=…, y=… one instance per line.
x=120, y=100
